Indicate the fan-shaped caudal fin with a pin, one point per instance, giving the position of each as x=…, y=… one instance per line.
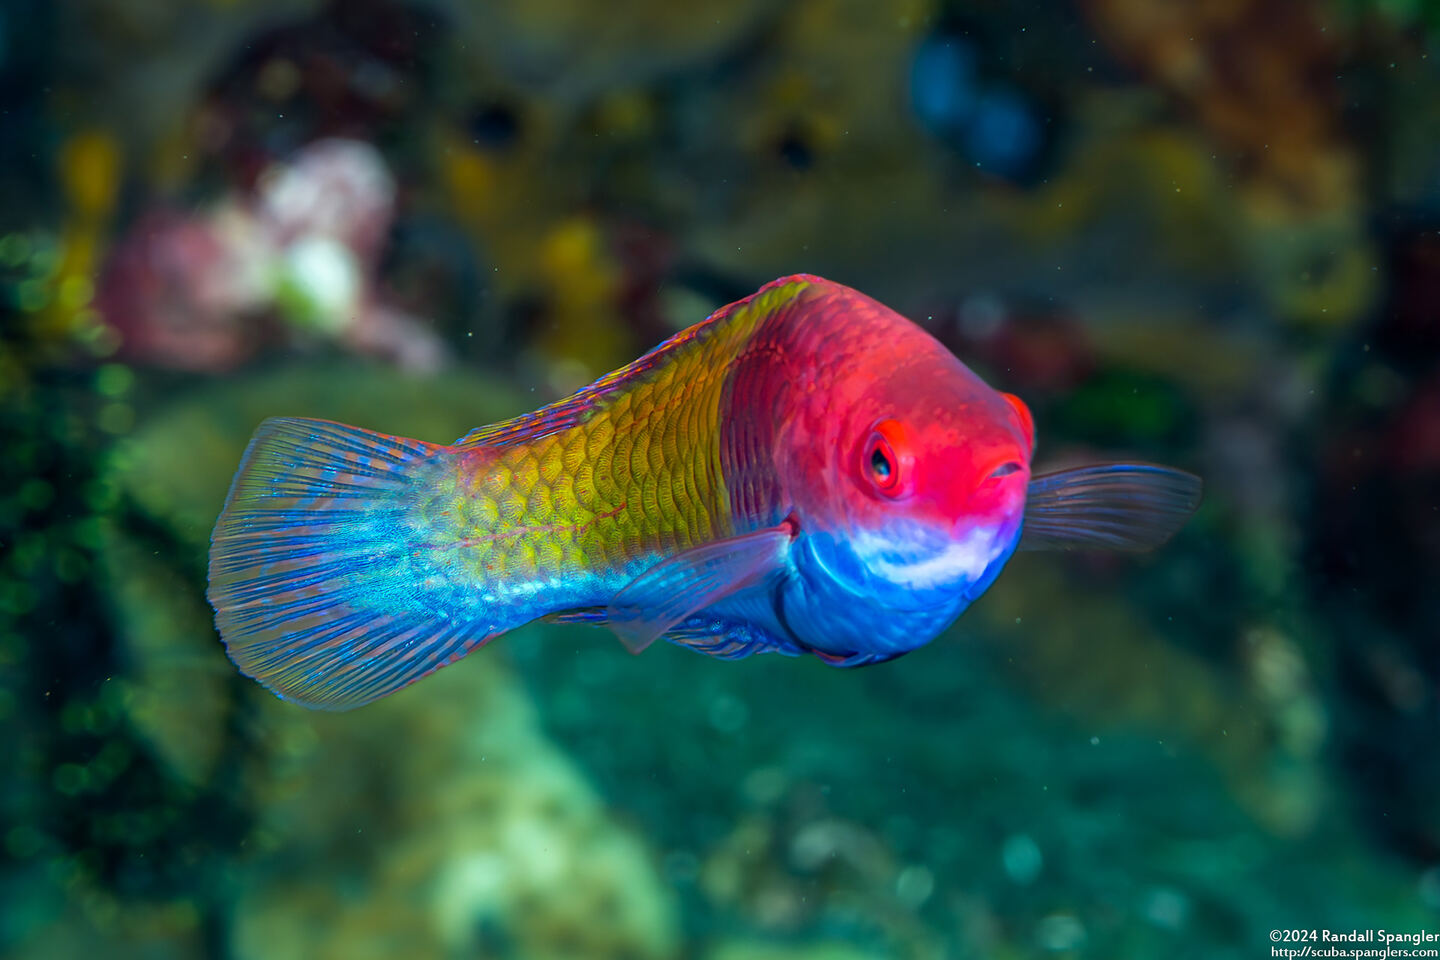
x=1108, y=506
x=318, y=591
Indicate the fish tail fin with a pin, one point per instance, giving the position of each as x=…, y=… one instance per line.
x=321, y=585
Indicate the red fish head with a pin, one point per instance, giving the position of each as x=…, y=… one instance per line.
x=927, y=451
x=908, y=475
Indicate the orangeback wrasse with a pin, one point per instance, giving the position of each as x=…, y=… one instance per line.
x=805, y=472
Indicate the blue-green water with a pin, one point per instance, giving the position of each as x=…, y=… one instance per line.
x=1197, y=239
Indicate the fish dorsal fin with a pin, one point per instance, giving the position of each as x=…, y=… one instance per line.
x=1108, y=506
x=532, y=426
x=581, y=405
x=688, y=582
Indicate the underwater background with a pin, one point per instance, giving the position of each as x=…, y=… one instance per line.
x=1196, y=232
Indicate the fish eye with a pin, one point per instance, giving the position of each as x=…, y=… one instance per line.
x=886, y=460
x=881, y=466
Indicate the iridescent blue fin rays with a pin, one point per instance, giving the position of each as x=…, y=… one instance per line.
x=317, y=591
x=672, y=591
x=1108, y=506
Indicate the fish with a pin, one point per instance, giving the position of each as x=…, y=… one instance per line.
x=804, y=472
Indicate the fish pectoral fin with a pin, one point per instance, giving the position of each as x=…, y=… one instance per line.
x=1108, y=506
x=688, y=582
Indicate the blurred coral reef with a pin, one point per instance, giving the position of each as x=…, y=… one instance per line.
x=193, y=292
x=1195, y=232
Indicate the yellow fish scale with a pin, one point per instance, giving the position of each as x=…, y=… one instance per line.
x=631, y=476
